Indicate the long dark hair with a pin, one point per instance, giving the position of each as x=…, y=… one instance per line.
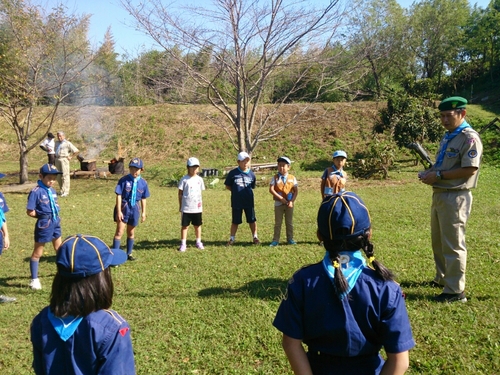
x=361, y=242
x=81, y=296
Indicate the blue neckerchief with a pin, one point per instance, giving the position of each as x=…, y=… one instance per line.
x=283, y=177
x=446, y=139
x=133, y=196
x=2, y=217
x=337, y=171
x=65, y=327
x=59, y=147
x=351, y=265
x=245, y=172
x=53, y=206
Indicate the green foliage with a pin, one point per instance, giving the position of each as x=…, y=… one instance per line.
x=376, y=161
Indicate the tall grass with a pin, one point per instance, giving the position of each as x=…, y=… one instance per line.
x=211, y=311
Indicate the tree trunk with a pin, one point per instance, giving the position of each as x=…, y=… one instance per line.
x=23, y=166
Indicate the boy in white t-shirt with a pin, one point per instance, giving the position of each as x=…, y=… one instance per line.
x=190, y=204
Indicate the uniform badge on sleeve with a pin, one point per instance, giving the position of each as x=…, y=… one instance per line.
x=472, y=154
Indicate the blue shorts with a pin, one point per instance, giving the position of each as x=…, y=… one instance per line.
x=238, y=214
x=131, y=215
x=47, y=229
x=1, y=242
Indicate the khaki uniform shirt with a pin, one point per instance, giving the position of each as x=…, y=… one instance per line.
x=65, y=149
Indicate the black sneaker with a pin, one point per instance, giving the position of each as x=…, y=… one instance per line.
x=434, y=284
x=131, y=258
x=451, y=297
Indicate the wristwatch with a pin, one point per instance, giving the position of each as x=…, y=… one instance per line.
x=439, y=176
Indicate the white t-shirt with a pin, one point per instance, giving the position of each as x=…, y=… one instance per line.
x=191, y=194
x=49, y=144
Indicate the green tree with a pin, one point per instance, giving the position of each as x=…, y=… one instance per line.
x=45, y=57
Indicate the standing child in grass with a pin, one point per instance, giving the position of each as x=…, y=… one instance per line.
x=190, y=203
x=241, y=182
x=346, y=307
x=42, y=205
x=4, y=235
x=130, y=190
x=284, y=189
x=334, y=178
x=78, y=333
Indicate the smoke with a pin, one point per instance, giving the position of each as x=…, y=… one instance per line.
x=94, y=132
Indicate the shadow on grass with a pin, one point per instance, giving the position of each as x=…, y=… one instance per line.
x=44, y=259
x=266, y=289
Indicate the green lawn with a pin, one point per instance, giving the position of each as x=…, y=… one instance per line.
x=210, y=312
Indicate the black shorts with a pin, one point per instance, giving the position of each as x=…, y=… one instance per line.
x=194, y=219
x=238, y=215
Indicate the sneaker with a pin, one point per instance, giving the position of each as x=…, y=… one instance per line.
x=273, y=244
x=256, y=241
x=182, y=248
x=292, y=242
x=131, y=258
x=199, y=245
x=434, y=284
x=64, y=195
x=35, y=284
x=451, y=297
x=5, y=299
x=230, y=243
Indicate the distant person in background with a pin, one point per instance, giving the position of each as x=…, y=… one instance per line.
x=42, y=205
x=4, y=235
x=241, y=182
x=65, y=150
x=190, y=203
x=131, y=192
x=78, y=333
x=452, y=176
x=345, y=308
x=284, y=189
x=48, y=145
x=334, y=178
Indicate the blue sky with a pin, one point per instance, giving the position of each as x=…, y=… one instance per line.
x=128, y=41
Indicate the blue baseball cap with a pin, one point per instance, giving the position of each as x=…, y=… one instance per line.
x=49, y=169
x=343, y=210
x=285, y=159
x=83, y=255
x=339, y=153
x=137, y=163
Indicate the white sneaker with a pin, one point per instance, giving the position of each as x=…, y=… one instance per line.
x=5, y=299
x=64, y=195
x=35, y=284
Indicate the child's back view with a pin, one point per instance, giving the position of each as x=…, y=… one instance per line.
x=190, y=203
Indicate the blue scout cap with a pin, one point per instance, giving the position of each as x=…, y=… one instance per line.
x=83, y=255
x=285, y=159
x=343, y=210
x=454, y=102
x=193, y=162
x=339, y=153
x=49, y=169
x=137, y=163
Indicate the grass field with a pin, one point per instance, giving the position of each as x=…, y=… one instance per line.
x=211, y=311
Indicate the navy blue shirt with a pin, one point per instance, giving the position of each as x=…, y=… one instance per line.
x=101, y=345
x=241, y=184
x=372, y=316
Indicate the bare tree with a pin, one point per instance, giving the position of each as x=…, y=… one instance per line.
x=45, y=54
x=251, y=45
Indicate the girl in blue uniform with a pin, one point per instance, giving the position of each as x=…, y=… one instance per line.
x=344, y=308
x=78, y=333
x=131, y=192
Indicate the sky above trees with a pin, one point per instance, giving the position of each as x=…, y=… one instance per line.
x=129, y=42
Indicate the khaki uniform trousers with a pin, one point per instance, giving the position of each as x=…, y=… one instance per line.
x=449, y=213
x=279, y=211
x=62, y=165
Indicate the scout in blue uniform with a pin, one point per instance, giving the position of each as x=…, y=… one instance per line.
x=452, y=177
x=131, y=191
x=344, y=308
x=42, y=205
x=78, y=334
x=4, y=235
x=241, y=182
